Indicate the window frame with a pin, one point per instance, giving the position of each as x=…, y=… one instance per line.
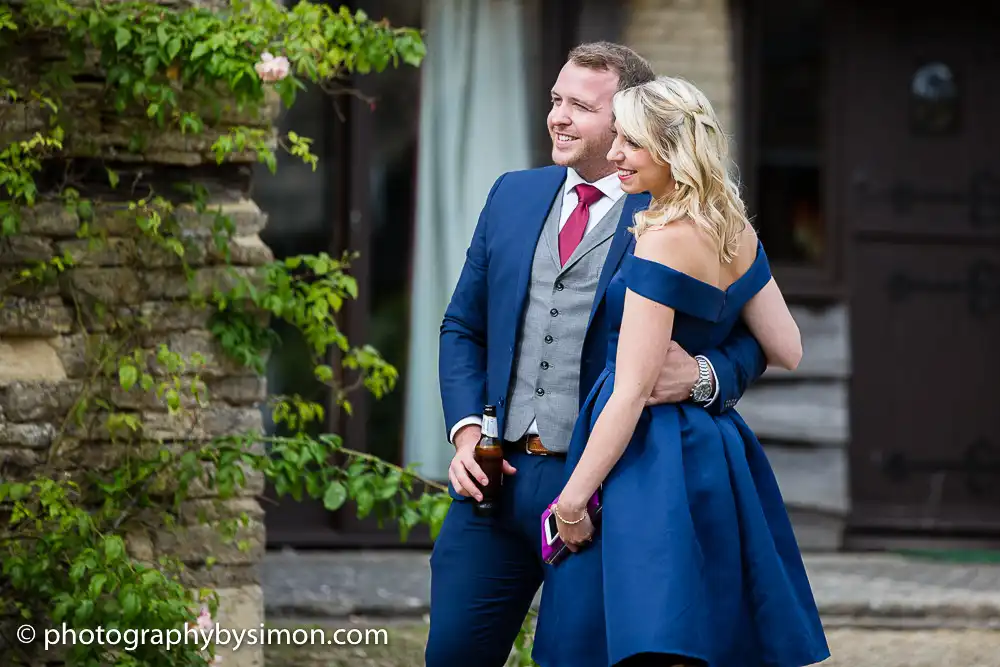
x=823, y=279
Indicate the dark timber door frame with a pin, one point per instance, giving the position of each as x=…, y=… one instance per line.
x=919, y=178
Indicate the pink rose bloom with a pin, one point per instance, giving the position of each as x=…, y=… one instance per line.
x=272, y=69
x=204, y=619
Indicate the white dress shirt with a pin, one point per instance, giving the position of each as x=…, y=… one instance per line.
x=610, y=186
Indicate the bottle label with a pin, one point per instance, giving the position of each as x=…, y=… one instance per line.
x=490, y=428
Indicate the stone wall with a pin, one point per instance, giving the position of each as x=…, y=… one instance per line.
x=43, y=342
x=802, y=418
x=690, y=39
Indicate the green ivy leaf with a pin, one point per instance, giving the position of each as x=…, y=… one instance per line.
x=114, y=548
x=335, y=496
x=96, y=584
x=128, y=375
x=173, y=48
x=122, y=38
x=130, y=605
x=83, y=613
x=199, y=50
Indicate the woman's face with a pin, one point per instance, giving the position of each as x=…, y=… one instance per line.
x=636, y=169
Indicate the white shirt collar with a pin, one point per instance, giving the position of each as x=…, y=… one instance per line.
x=609, y=185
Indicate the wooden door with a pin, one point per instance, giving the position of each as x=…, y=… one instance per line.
x=917, y=106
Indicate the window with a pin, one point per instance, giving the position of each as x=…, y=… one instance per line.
x=785, y=91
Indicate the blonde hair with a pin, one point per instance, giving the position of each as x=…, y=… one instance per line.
x=675, y=122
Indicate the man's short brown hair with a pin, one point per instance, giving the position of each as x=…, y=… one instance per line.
x=631, y=68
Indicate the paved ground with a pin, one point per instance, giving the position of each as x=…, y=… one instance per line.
x=880, y=611
x=850, y=589
x=849, y=648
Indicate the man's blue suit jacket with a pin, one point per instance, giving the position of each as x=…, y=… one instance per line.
x=479, y=334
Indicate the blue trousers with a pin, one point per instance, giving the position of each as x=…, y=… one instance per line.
x=486, y=571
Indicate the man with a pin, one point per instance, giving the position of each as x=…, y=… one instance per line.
x=525, y=331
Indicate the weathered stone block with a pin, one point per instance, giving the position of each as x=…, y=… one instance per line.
x=189, y=343
x=116, y=220
x=221, y=576
x=38, y=401
x=150, y=253
x=49, y=219
x=22, y=249
x=247, y=218
x=34, y=436
x=98, y=252
x=174, y=316
x=88, y=97
x=14, y=284
x=89, y=454
x=204, y=424
x=29, y=359
x=246, y=390
x=139, y=544
x=241, y=609
x=17, y=461
x=30, y=317
x=248, y=251
x=196, y=544
x=253, y=484
x=196, y=512
x=173, y=284
x=151, y=316
x=107, y=285
x=155, y=399
x=73, y=352
x=163, y=147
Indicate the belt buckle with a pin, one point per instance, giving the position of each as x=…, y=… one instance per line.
x=541, y=451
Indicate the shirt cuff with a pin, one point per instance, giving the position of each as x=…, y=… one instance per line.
x=715, y=382
x=478, y=421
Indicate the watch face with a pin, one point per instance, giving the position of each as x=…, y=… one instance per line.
x=701, y=392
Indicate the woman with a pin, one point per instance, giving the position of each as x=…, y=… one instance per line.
x=694, y=562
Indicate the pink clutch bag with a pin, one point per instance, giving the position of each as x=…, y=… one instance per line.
x=553, y=548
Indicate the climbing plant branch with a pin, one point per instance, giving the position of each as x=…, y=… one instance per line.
x=120, y=263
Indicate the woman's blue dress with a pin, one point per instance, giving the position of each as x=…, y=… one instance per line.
x=695, y=555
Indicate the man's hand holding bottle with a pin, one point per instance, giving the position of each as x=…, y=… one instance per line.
x=464, y=468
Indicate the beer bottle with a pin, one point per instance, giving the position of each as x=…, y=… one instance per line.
x=489, y=456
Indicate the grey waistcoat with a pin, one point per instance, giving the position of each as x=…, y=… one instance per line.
x=546, y=375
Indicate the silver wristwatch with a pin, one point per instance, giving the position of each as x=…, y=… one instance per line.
x=702, y=389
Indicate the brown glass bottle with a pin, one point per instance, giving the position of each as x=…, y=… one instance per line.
x=489, y=456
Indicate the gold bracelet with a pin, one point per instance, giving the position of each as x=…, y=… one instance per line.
x=555, y=510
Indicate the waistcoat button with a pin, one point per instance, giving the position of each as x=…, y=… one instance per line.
x=548, y=339
x=545, y=365
x=560, y=286
x=540, y=391
x=553, y=312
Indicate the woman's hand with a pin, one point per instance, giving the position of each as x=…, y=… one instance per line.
x=578, y=533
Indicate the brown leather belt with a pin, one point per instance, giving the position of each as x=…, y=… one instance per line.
x=532, y=444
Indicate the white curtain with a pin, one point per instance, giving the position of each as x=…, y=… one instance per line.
x=474, y=126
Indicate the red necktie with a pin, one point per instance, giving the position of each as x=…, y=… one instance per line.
x=572, y=232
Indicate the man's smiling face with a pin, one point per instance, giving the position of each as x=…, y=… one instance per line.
x=580, y=122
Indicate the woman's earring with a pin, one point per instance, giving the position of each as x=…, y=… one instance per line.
x=677, y=186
